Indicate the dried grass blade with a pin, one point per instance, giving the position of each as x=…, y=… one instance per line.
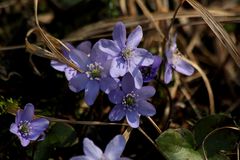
x=52, y=43
x=218, y=30
x=148, y=14
x=35, y=49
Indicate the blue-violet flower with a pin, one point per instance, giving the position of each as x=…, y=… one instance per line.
x=113, y=150
x=174, y=61
x=95, y=75
x=124, y=54
x=149, y=72
x=131, y=102
x=26, y=128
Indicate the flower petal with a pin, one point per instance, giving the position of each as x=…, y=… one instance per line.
x=91, y=91
x=91, y=150
x=79, y=58
x=168, y=73
x=78, y=83
x=118, y=67
x=109, y=47
x=28, y=112
x=107, y=84
x=145, y=92
x=119, y=34
x=184, y=67
x=81, y=158
x=24, y=142
x=115, y=147
x=38, y=126
x=138, y=79
x=97, y=55
x=142, y=57
x=70, y=73
x=128, y=83
x=18, y=116
x=145, y=108
x=133, y=119
x=117, y=113
x=116, y=96
x=134, y=37
x=157, y=60
x=14, y=128
x=58, y=65
x=85, y=47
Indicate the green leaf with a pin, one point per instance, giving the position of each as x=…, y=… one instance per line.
x=43, y=150
x=178, y=144
x=222, y=139
x=208, y=124
x=60, y=135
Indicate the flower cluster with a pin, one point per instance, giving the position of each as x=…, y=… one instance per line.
x=118, y=67
x=26, y=127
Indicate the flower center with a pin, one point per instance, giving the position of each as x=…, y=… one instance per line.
x=24, y=128
x=129, y=102
x=126, y=54
x=94, y=71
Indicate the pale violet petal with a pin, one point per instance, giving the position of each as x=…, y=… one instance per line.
x=168, y=73
x=118, y=67
x=108, y=47
x=58, y=65
x=117, y=113
x=28, y=112
x=85, y=47
x=91, y=150
x=184, y=67
x=24, y=142
x=107, y=84
x=145, y=108
x=81, y=158
x=145, y=92
x=133, y=119
x=38, y=126
x=91, y=91
x=138, y=79
x=134, y=37
x=70, y=73
x=18, y=116
x=116, y=96
x=80, y=59
x=78, y=83
x=119, y=34
x=142, y=57
x=14, y=128
x=115, y=147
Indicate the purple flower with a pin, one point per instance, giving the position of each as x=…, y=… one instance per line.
x=175, y=62
x=149, y=72
x=131, y=102
x=124, y=54
x=95, y=75
x=113, y=150
x=26, y=128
